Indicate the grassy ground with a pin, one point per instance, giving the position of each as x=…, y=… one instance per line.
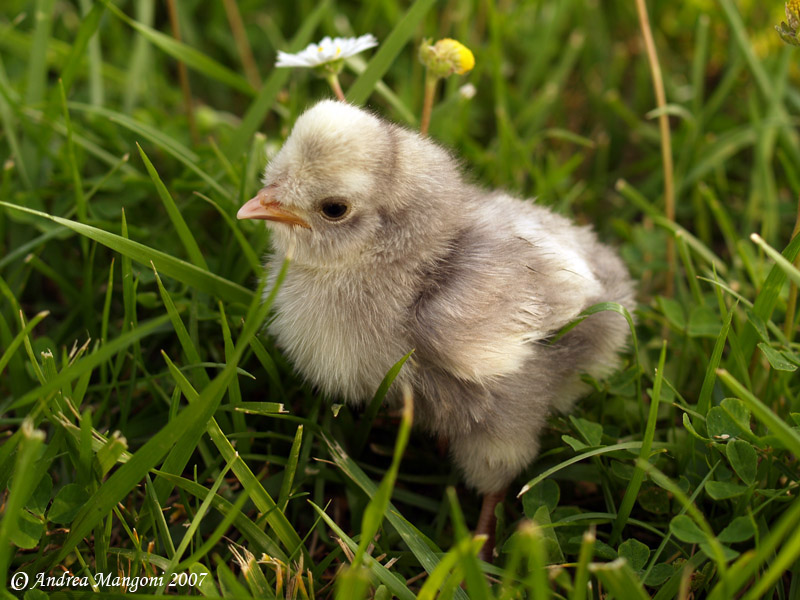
x=148, y=427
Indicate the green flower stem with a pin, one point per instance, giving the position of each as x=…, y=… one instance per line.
x=666, y=142
x=333, y=80
x=427, y=105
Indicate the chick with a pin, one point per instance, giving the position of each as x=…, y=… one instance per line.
x=392, y=249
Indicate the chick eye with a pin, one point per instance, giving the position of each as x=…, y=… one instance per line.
x=334, y=209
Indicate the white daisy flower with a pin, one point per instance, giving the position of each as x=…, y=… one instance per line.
x=326, y=51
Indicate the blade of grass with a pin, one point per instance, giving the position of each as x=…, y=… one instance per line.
x=10, y=123
x=188, y=346
x=195, y=523
x=536, y=580
x=720, y=150
x=179, y=455
x=588, y=454
x=101, y=355
x=37, y=60
x=155, y=135
x=368, y=418
x=688, y=266
x=632, y=491
x=15, y=343
x=581, y=581
x=190, y=56
x=220, y=530
x=30, y=444
x=96, y=89
x=123, y=160
x=359, y=65
x=106, y=313
x=243, y=47
x=740, y=36
x=268, y=93
x=254, y=576
x=665, y=135
x=778, y=568
x=36, y=82
x=768, y=297
x=617, y=308
x=184, y=233
x=158, y=517
x=38, y=118
x=450, y=561
x=261, y=408
x=230, y=171
x=530, y=120
x=418, y=546
x=748, y=565
x=786, y=266
x=704, y=398
x=19, y=43
x=261, y=498
x=246, y=526
x=170, y=144
x=234, y=392
x=64, y=285
x=230, y=583
x=721, y=216
x=7, y=452
x=244, y=245
x=785, y=129
x=716, y=551
x=380, y=572
x=269, y=365
x=12, y=299
x=187, y=425
x=668, y=537
x=376, y=509
x=128, y=294
x=140, y=60
x=352, y=584
x=87, y=30
x=699, y=63
x=80, y=199
x=695, y=244
x=475, y=581
x=388, y=51
x=289, y=471
x=620, y=579
x=182, y=271
x=36, y=242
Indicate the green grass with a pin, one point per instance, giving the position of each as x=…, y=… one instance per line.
x=148, y=426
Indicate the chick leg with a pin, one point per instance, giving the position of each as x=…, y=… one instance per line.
x=487, y=523
x=489, y=460
x=442, y=445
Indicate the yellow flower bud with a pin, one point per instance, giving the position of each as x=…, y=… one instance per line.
x=447, y=56
x=461, y=57
x=792, y=9
x=789, y=32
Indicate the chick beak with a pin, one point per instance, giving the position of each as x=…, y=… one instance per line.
x=265, y=207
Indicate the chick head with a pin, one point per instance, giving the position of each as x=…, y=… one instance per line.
x=329, y=189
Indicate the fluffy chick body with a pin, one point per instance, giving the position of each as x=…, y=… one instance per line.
x=475, y=281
